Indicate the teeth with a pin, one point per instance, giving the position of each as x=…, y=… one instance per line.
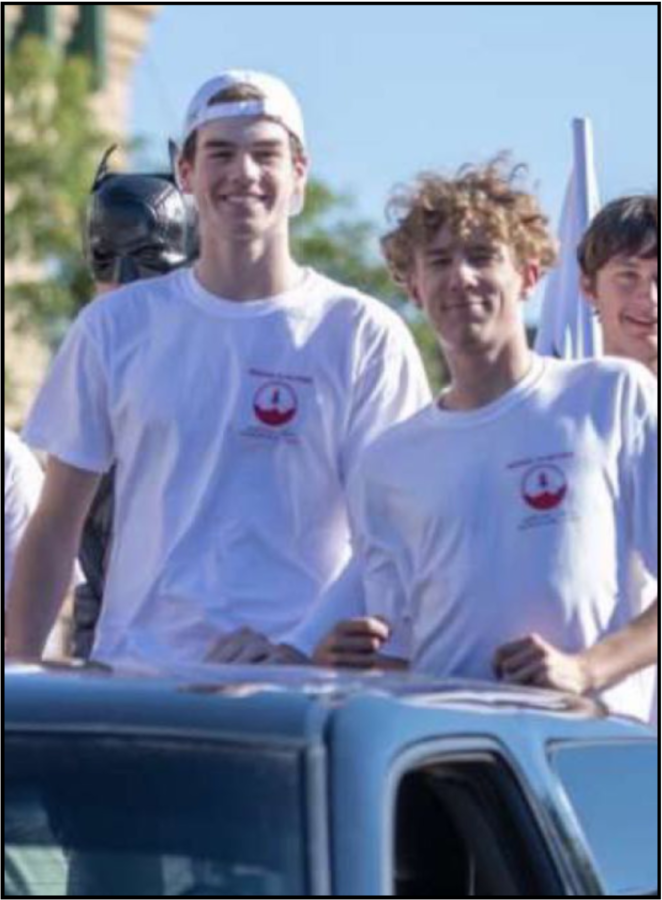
x=242, y=198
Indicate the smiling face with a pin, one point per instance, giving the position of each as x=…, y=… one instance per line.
x=245, y=179
x=625, y=294
x=468, y=249
x=471, y=289
x=618, y=258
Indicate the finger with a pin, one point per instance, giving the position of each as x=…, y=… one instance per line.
x=354, y=634
x=532, y=674
x=365, y=626
x=284, y=655
x=217, y=652
x=517, y=661
x=514, y=647
x=356, y=644
x=351, y=660
x=393, y=664
x=530, y=642
x=254, y=652
x=359, y=661
x=227, y=647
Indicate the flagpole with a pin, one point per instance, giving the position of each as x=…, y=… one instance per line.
x=567, y=326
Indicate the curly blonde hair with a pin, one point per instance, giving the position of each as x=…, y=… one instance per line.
x=489, y=197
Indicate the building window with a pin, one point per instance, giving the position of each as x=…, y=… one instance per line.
x=37, y=19
x=89, y=39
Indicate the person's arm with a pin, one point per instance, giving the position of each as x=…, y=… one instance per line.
x=633, y=648
x=45, y=560
x=349, y=627
x=390, y=387
x=534, y=661
x=23, y=482
x=370, y=629
x=359, y=644
x=337, y=632
x=342, y=599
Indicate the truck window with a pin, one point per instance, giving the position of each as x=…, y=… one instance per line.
x=90, y=817
x=614, y=791
x=463, y=829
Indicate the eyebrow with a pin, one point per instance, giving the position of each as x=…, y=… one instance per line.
x=629, y=261
x=217, y=144
x=444, y=251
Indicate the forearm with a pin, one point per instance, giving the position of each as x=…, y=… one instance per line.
x=623, y=653
x=41, y=578
x=342, y=600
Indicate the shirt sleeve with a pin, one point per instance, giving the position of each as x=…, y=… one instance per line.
x=370, y=585
x=343, y=599
x=640, y=468
x=384, y=561
x=70, y=419
x=22, y=489
x=391, y=386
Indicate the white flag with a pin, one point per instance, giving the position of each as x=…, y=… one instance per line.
x=568, y=329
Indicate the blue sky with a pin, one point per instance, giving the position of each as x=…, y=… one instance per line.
x=390, y=90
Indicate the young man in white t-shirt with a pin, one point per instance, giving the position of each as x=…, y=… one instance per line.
x=497, y=528
x=234, y=400
x=618, y=258
x=22, y=486
x=138, y=225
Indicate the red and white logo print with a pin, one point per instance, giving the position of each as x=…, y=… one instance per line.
x=544, y=487
x=275, y=404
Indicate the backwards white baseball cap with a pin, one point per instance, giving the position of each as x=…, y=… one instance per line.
x=276, y=102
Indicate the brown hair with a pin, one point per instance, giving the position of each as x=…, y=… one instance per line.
x=625, y=227
x=237, y=93
x=487, y=196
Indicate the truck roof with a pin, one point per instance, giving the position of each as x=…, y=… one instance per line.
x=278, y=704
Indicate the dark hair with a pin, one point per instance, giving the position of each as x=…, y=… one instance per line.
x=625, y=227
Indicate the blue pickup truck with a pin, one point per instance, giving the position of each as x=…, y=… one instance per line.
x=294, y=782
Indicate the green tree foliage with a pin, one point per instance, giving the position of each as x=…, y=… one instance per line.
x=328, y=235
x=51, y=148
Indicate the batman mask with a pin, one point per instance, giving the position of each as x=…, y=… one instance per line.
x=138, y=226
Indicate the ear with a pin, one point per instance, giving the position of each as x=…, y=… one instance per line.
x=184, y=174
x=301, y=166
x=102, y=169
x=587, y=286
x=530, y=277
x=413, y=292
x=301, y=170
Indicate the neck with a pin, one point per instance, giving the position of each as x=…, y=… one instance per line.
x=649, y=360
x=481, y=378
x=651, y=364
x=247, y=270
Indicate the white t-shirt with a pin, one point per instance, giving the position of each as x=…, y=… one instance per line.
x=23, y=482
x=478, y=528
x=234, y=428
x=646, y=589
